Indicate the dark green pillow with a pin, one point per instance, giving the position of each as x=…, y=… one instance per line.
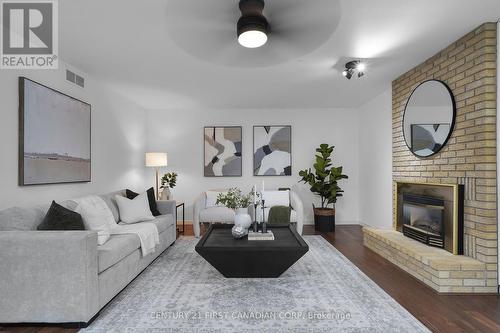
x=61, y=218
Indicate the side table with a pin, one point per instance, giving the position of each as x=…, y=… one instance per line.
x=177, y=205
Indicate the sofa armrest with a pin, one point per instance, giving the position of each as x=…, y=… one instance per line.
x=48, y=276
x=167, y=207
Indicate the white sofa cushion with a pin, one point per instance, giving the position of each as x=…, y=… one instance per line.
x=217, y=214
x=212, y=199
x=276, y=198
x=134, y=210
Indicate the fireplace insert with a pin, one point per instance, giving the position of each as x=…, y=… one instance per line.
x=423, y=219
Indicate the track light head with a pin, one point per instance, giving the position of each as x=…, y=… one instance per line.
x=352, y=67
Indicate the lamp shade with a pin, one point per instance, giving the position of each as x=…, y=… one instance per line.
x=156, y=159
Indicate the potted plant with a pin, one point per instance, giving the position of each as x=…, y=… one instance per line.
x=324, y=182
x=236, y=200
x=168, y=181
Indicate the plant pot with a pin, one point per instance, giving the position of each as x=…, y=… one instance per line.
x=324, y=219
x=242, y=218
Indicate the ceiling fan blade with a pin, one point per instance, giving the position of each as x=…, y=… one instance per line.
x=207, y=30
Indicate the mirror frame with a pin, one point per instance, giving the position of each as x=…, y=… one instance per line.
x=452, y=125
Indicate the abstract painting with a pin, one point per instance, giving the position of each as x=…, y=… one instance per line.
x=54, y=136
x=222, y=151
x=427, y=139
x=272, y=150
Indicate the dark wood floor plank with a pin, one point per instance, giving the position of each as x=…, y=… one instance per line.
x=440, y=313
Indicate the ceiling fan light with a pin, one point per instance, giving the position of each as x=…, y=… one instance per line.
x=252, y=38
x=252, y=27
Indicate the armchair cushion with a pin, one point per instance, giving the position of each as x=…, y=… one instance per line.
x=212, y=199
x=217, y=214
x=276, y=198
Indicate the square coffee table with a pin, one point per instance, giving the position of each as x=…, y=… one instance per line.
x=241, y=258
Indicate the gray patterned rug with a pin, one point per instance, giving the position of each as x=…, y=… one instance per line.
x=322, y=292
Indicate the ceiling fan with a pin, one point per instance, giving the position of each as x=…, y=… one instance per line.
x=271, y=33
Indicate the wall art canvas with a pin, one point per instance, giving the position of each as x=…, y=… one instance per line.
x=426, y=139
x=272, y=150
x=222, y=151
x=54, y=136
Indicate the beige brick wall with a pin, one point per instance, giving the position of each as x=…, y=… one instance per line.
x=468, y=67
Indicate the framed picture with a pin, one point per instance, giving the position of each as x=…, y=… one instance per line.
x=54, y=136
x=272, y=150
x=427, y=139
x=222, y=151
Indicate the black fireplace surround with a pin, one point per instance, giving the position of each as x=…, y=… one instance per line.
x=423, y=219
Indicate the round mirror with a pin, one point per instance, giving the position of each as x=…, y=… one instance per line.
x=429, y=118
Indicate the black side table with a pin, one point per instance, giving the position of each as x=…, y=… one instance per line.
x=177, y=205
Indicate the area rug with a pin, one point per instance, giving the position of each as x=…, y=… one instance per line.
x=322, y=292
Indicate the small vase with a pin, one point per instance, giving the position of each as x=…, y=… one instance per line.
x=166, y=194
x=242, y=218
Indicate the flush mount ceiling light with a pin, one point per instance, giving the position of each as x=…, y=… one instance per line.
x=352, y=67
x=252, y=25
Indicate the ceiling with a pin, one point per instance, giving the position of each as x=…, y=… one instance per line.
x=183, y=54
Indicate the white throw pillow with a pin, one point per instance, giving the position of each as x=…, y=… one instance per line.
x=134, y=210
x=212, y=199
x=276, y=198
x=96, y=216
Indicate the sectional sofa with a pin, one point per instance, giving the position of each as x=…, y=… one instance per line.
x=64, y=276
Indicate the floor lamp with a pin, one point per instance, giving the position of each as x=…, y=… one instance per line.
x=156, y=160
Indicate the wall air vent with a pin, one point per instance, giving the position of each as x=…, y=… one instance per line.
x=75, y=78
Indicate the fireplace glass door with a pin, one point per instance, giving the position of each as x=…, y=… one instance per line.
x=423, y=219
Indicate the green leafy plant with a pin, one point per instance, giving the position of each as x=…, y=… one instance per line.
x=169, y=180
x=234, y=199
x=324, y=180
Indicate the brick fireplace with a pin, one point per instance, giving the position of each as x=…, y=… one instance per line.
x=466, y=163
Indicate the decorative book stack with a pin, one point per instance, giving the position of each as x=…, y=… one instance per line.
x=260, y=236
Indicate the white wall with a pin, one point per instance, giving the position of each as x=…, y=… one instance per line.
x=180, y=134
x=375, y=161
x=118, y=140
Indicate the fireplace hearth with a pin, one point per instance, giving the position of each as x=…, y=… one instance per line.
x=423, y=219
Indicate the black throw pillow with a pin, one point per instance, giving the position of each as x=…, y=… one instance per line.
x=151, y=198
x=61, y=218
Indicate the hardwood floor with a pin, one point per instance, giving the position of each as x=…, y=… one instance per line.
x=440, y=313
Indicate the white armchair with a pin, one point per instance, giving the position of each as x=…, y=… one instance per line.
x=209, y=213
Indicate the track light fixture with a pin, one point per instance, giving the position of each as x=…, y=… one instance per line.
x=352, y=67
